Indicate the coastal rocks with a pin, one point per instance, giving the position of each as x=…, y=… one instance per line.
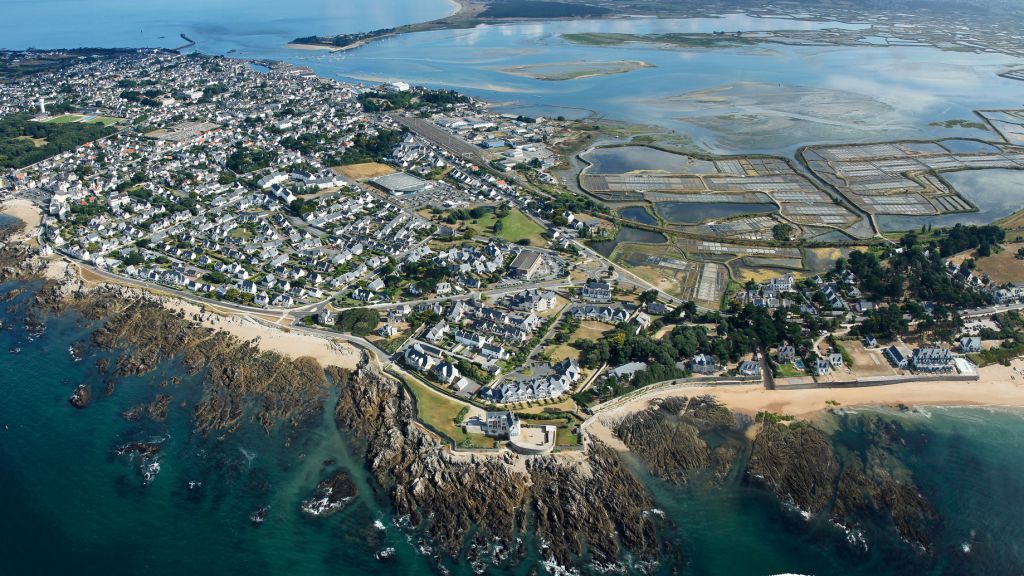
x=585, y=509
x=81, y=396
x=157, y=409
x=796, y=462
x=331, y=495
x=597, y=500
x=668, y=437
x=145, y=456
x=861, y=488
x=259, y=515
x=240, y=382
x=802, y=466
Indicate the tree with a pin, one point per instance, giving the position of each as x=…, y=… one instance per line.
x=782, y=232
x=648, y=296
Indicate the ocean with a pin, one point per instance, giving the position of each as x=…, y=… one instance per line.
x=74, y=505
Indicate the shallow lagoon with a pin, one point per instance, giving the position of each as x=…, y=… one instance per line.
x=997, y=193
x=697, y=212
x=628, y=234
x=622, y=159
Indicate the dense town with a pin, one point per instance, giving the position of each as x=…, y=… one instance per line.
x=435, y=231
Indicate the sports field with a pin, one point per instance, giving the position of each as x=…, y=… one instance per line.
x=71, y=118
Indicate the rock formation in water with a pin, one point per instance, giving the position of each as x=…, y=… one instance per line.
x=799, y=463
x=667, y=437
x=332, y=494
x=81, y=396
x=586, y=508
x=240, y=381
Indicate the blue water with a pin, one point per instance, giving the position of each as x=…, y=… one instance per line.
x=912, y=85
x=696, y=212
x=75, y=507
x=996, y=193
x=217, y=25
x=638, y=214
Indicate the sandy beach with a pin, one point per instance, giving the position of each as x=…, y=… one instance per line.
x=998, y=387
x=281, y=340
x=28, y=213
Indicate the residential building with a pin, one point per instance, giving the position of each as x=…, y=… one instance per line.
x=502, y=424
x=932, y=360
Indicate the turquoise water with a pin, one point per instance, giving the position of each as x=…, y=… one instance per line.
x=73, y=506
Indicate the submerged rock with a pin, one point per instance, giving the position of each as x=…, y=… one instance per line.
x=259, y=515
x=157, y=409
x=331, y=495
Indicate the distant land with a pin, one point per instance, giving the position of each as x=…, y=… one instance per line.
x=471, y=13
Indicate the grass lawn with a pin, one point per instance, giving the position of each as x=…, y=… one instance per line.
x=517, y=226
x=64, y=119
x=563, y=435
x=514, y=227
x=787, y=370
x=439, y=411
x=105, y=120
x=590, y=330
x=242, y=233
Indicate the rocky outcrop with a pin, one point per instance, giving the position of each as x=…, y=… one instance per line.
x=588, y=510
x=797, y=463
x=157, y=409
x=332, y=494
x=240, y=381
x=668, y=445
x=81, y=396
x=801, y=465
x=669, y=437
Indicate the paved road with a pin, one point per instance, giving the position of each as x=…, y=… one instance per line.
x=990, y=310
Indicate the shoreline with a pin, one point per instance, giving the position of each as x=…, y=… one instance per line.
x=28, y=213
x=242, y=325
x=997, y=386
x=1000, y=387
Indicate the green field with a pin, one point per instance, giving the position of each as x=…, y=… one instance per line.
x=514, y=227
x=787, y=370
x=439, y=411
x=64, y=119
x=71, y=118
x=105, y=120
